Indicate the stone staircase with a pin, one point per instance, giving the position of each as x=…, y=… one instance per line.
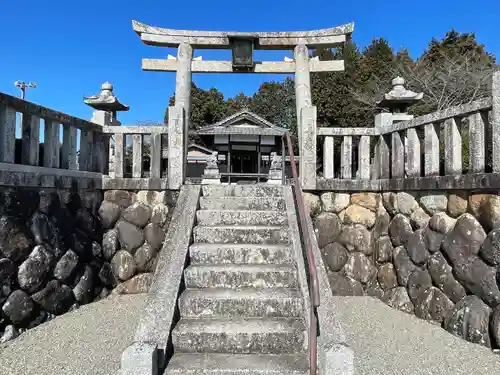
x=242, y=310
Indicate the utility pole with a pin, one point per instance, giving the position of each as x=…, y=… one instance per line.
x=23, y=86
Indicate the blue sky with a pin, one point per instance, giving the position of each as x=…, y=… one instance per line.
x=70, y=47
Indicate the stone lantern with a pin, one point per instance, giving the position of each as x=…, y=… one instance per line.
x=105, y=106
x=397, y=101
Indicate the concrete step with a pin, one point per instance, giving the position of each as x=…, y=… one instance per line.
x=240, y=276
x=238, y=364
x=201, y=253
x=256, y=234
x=245, y=302
x=240, y=217
x=258, y=190
x=240, y=336
x=242, y=203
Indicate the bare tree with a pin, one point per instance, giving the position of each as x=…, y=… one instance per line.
x=450, y=82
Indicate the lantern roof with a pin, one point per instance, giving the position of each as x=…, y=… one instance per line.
x=399, y=95
x=105, y=100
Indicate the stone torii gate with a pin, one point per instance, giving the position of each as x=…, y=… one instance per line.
x=242, y=45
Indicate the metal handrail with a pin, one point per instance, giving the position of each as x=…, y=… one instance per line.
x=313, y=277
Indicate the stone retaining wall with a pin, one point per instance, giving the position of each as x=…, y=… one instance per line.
x=60, y=249
x=432, y=254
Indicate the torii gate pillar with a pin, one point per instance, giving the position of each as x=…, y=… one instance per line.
x=178, y=119
x=302, y=100
x=183, y=78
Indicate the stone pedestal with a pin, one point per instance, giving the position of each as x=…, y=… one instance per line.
x=211, y=177
x=276, y=171
x=275, y=177
x=106, y=149
x=211, y=174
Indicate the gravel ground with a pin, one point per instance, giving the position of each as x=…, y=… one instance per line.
x=387, y=341
x=87, y=341
x=90, y=341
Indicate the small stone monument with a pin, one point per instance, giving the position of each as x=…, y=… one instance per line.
x=276, y=171
x=211, y=174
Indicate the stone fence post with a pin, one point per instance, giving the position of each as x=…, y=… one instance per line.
x=381, y=162
x=308, y=157
x=495, y=120
x=177, y=139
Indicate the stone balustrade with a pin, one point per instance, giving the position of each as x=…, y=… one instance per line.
x=81, y=157
x=61, y=164
x=140, y=178
x=401, y=152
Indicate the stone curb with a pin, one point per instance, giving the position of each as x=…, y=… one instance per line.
x=334, y=355
x=148, y=352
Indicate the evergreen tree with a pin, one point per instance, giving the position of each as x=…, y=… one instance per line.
x=331, y=91
x=378, y=66
x=275, y=101
x=460, y=46
x=238, y=103
x=207, y=107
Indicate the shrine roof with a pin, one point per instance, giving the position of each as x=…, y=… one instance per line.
x=242, y=123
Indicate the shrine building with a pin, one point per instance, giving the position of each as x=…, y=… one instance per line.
x=244, y=142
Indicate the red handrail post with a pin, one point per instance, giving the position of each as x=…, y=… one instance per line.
x=283, y=157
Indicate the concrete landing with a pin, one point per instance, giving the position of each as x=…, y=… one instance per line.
x=89, y=341
x=387, y=341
